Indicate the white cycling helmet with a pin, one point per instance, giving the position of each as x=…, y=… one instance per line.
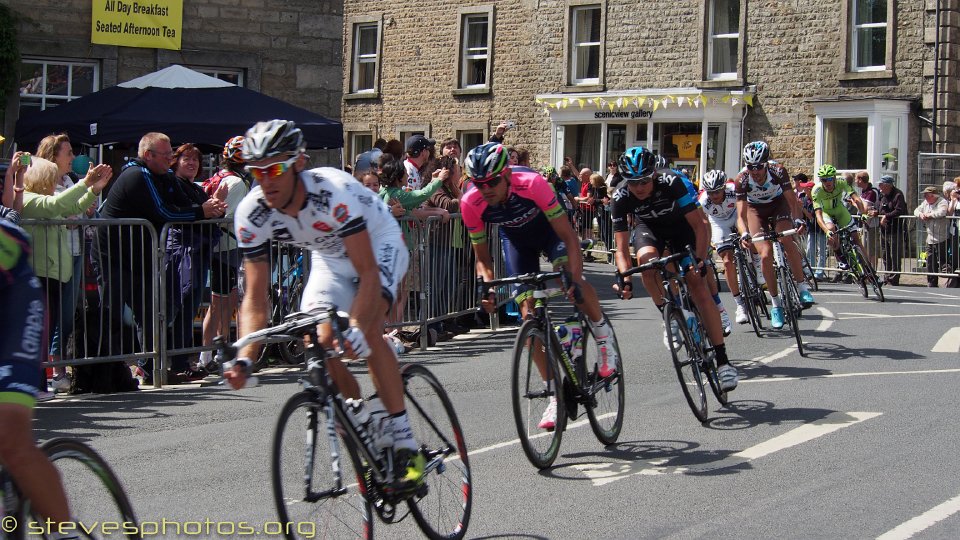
x=714, y=180
x=266, y=139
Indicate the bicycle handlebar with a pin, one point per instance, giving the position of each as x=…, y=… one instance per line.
x=660, y=262
x=773, y=235
x=295, y=326
x=534, y=278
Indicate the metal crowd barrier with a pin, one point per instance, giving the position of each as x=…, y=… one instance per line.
x=595, y=223
x=901, y=252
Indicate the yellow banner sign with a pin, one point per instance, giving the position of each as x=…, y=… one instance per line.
x=148, y=24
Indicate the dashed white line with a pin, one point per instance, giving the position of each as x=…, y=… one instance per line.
x=828, y=319
x=842, y=375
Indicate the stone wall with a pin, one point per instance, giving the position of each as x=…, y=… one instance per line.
x=792, y=55
x=288, y=49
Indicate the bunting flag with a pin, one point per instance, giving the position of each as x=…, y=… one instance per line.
x=639, y=101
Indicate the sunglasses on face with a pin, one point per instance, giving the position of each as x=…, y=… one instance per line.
x=642, y=181
x=271, y=171
x=828, y=179
x=488, y=183
x=757, y=167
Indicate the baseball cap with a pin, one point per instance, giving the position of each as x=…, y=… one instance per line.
x=416, y=143
x=886, y=179
x=367, y=161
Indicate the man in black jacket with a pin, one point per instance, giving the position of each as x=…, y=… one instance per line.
x=890, y=207
x=146, y=189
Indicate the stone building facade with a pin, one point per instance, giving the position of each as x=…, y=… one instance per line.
x=288, y=49
x=844, y=81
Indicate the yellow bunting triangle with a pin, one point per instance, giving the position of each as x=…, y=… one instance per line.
x=748, y=99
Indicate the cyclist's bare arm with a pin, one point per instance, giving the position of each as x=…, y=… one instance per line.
x=255, y=305
x=622, y=238
x=561, y=226
x=485, y=271
x=702, y=230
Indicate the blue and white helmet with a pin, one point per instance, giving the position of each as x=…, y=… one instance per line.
x=637, y=162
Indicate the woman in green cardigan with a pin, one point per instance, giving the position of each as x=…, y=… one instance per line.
x=52, y=259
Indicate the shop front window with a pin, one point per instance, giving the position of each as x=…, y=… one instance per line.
x=582, y=143
x=616, y=142
x=845, y=143
x=716, y=146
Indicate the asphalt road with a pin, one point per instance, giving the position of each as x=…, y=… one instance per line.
x=856, y=440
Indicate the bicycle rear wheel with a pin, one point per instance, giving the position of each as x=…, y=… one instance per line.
x=687, y=358
x=532, y=394
x=444, y=512
x=317, y=477
x=292, y=352
x=791, y=303
x=93, y=490
x=608, y=395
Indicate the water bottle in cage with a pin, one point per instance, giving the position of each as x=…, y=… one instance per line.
x=566, y=338
x=576, y=338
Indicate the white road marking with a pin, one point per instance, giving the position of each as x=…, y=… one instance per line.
x=924, y=521
x=949, y=342
x=604, y=473
x=842, y=375
x=827, y=321
x=775, y=356
x=804, y=433
x=849, y=316
x=505, y=444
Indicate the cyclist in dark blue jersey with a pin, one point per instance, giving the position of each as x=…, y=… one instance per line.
x=665, y=216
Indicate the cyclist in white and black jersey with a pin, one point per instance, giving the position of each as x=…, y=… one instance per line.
x=764, y=195
x=358, y=258
x=719, y=203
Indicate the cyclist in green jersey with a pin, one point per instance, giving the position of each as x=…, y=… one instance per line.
x=831, y=213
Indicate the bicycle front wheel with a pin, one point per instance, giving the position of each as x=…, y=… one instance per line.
x=93, y=490
x=791, y=304
x=749, y=293
x=686, y=360
x=607, y=395
x=536, y=388
x=444, y=511
x=317, y=477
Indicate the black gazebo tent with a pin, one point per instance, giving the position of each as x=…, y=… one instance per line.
x=185, y=105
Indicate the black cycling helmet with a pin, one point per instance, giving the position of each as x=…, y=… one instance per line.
x=636, y=162
x=714, y=180
x=267, y=139
x=486, y=161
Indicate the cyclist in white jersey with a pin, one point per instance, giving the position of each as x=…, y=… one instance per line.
x=719, y=203
x=358, y=258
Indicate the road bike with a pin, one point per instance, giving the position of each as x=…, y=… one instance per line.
x=751, y=292
x=694, y=358
x=807, y=267
x=95, y=495
x=860, y=267
x=317, y=449
x=789, y=293
x=543, y=371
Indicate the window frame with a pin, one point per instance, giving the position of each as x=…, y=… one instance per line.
x=713, y=75
x=69, y=96
x=849, y=71
x=460, y=85
x=215, y=72
x=875, y=111
x=356, y=25
x=721, y=80
x=573, y=84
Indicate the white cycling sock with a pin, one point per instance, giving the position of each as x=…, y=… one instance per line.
x=739, y=300
x=205, y=357
x=803, y=286
x=399, y=424
x=601, y=330
x=776, y=301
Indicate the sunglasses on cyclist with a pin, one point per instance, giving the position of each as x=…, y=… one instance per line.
x=642, y=181
x=757, y=167
x=488, y=183
x=271, y=171
x=828, y=178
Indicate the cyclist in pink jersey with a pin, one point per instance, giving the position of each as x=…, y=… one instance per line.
x=531, y=222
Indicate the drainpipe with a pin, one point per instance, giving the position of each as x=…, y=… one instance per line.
x=936, y=77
